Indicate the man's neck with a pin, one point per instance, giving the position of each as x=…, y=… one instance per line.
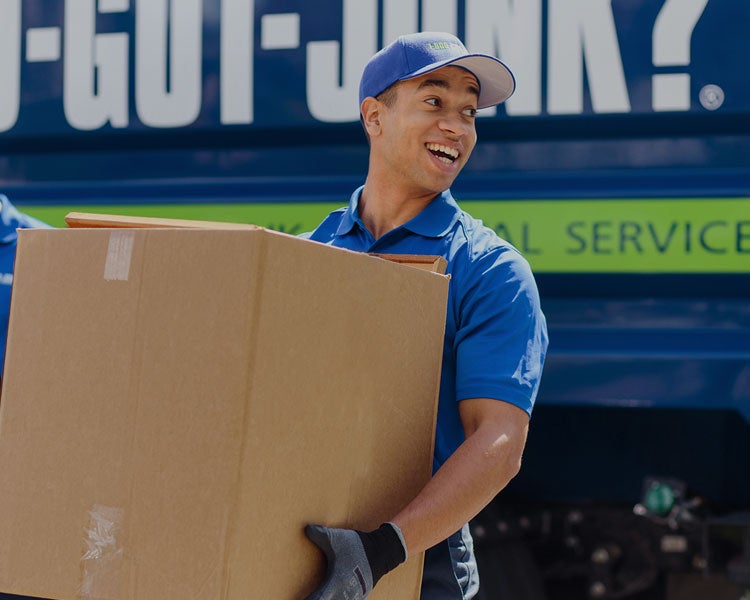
x=383, y=208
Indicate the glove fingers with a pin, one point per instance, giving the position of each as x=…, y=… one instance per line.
x=330, y=589
x=319, y=536
x=348, y=575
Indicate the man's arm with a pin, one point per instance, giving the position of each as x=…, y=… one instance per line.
x=482, y=466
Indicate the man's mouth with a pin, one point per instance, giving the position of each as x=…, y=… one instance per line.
x=443, y=153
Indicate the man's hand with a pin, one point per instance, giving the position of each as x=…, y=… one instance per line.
x=356, y=560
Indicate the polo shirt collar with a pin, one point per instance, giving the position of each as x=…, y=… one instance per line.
x=436, y=220
x=350, y=218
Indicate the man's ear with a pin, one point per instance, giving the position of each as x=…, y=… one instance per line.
x=370, y=111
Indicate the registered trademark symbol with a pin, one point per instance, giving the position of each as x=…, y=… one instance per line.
x=711, y=97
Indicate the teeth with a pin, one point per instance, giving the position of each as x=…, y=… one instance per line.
x=449, y=152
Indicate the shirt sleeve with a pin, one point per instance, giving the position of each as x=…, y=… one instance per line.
x=501, y=337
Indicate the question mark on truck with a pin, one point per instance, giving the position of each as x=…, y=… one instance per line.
x=672, y=34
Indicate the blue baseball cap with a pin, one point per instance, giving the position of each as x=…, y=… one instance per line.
x=415, y=54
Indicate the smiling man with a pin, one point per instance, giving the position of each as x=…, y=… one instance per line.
x=418, y=100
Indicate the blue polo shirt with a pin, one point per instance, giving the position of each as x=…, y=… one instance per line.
x=11, y=219
x=495, y=334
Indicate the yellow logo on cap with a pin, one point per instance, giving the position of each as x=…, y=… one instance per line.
x=441, y=45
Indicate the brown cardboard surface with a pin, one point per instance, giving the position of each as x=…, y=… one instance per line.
x=91, y=220
x=436, y=264
x=178, y=404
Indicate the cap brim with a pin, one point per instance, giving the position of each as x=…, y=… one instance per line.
x=496, y=81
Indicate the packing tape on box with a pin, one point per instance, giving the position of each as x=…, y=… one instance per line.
x=104, y=560
x=119, y=253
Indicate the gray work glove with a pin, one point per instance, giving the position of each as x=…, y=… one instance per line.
x=356, y=560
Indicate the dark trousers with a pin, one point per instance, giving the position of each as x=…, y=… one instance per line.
x=450, y=570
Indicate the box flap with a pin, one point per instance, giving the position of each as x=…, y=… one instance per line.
x=436, y=264
x=93, y=220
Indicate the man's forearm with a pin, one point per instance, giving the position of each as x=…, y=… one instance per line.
x=482, y=466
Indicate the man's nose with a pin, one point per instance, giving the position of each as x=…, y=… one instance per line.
x=454, y=124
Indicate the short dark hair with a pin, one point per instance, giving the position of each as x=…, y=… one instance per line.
x=388, y=96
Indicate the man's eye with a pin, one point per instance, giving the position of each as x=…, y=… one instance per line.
x=433, y=101
x=470, y=112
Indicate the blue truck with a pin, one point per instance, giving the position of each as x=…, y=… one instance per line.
x=620, y=168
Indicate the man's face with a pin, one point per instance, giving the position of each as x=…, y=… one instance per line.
x=428, y=133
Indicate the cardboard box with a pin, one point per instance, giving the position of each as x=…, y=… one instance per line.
x=436, y=264
x=178, y=404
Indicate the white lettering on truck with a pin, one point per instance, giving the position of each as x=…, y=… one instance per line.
x=582, y=55
x=399, y=17
x=237, y=41
x=333, y=83
x=513, y=31
x=95, y=77
x=10, y=62
x=168, y=60
x=583, y=31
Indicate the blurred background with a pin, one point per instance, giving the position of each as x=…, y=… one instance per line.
x=620, y=168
